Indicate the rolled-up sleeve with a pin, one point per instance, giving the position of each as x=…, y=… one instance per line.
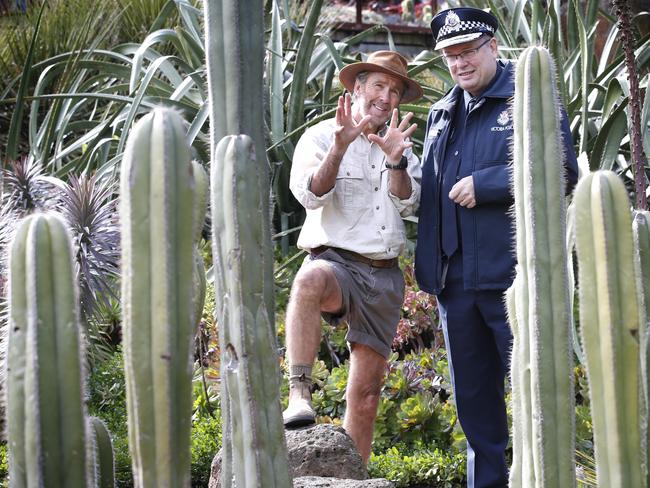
x=309, y=153
x=407, y=207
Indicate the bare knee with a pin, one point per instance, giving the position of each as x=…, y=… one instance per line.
x=316, y=284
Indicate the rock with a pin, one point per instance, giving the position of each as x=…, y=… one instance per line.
x=318, y=482
x=215, y=472
x=323, y=450
x=315, y=453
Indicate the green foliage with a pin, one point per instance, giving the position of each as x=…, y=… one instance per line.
x=415, y=404
x=107, y=400
x=73, y=24
x=206, y=442
x=4, y=465
x=419, y=466
x=329, y=401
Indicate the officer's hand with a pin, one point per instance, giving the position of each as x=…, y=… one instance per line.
x=396, y=138
x=347, y=129
x=463, y=192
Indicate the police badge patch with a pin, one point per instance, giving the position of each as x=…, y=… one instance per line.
x=505, y=122
x=452, y=19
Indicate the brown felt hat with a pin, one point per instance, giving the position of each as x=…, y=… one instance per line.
x=388, y=62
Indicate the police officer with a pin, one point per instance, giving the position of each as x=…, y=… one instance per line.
x=465, y=248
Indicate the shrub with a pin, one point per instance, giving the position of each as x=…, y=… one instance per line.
x=421, y=466
x=107, y=400
x=206, y=441
x=4, y=465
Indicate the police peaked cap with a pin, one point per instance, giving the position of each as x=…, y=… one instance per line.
x=463, y=24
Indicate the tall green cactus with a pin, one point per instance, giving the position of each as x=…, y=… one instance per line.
x=539, y=302
x=101, y=465
x=609, y=322
x=234, y=38
x=255, y=453
x=202, y=187
x=157, y=202
x=45, y=411
x=641, y=232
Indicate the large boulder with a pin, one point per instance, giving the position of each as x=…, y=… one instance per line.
x=318, y=482
x=315, y=454
x=323, y=450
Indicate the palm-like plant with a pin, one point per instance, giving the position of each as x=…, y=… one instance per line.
x=90, y=209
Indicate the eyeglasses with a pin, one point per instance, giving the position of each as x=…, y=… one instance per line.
x=467, y=54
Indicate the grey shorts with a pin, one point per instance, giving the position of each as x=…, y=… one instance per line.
x=372, y=301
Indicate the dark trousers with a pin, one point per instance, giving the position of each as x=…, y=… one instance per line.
x=478, y=340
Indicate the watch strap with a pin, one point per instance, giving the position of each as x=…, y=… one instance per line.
x=403, y=164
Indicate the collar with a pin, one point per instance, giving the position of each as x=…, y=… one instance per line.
x=501, y=86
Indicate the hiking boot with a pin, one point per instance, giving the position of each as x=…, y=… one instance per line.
x=299, y=413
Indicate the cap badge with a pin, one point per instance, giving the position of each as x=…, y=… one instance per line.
x=452, y=19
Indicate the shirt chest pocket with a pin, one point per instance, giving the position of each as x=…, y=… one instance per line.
x=351, y=188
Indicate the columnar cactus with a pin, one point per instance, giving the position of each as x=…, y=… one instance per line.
x=45, y=411
x=158, y=228
x=641, y=232
x=101, y=466
x=539, y=301
x=201, y=182
x=234, y=38
x=610, y=326
x=254, y=451
x=254, y=440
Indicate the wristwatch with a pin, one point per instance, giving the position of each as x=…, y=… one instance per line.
x=403, y=163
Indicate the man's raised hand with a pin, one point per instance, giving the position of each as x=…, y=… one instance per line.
x=396, y=138
x=347, y=128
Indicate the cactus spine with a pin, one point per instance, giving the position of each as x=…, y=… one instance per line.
x=45, y=413
x=539, y=301
x=157, y=205
x=255, y=438
x=101, y=466
x=609, y=322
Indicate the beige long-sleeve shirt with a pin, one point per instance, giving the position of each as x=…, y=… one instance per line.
x=359, y=214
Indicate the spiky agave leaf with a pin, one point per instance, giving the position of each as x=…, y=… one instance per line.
x=25, y=189
x=89, y=206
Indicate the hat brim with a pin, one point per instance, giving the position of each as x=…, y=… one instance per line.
x=452, y=41
x=348, y=76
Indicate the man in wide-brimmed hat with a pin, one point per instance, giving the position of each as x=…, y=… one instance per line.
x=465, y=245
x=357, y=177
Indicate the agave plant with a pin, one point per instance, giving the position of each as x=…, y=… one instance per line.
x=88, y=206
x=90, y=209
x=25, y=189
